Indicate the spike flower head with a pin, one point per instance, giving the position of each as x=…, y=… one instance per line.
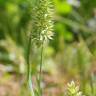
x=73, y=90
x=42, y=20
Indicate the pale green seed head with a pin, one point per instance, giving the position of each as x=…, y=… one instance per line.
x=42, y=20
x=73, y=90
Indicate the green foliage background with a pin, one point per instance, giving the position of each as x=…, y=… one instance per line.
x=72, y=50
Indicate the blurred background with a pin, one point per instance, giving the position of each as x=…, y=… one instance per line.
x=70, y=55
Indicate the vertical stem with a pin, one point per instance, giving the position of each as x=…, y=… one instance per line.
x=29, y=68
x=91, y=83
x=40, y=74
x=28, y=56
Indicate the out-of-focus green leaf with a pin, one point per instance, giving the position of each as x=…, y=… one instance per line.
x=62, y=7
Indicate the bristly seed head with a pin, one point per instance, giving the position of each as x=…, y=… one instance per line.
x=42, y=20
x=73, y=90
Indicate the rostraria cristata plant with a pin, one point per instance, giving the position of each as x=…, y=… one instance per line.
x=40, y=27
x=73, y=90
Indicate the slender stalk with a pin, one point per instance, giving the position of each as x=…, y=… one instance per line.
x=91, y=84
x=29, y=67
x=41, y=63
x=28, y=56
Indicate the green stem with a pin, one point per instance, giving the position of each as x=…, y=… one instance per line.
x=29, y=68
x=91, y=83
x=28, y=56
x=40, y=74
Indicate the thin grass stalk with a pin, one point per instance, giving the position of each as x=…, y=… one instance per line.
x=29, y=68
x=41, y=63
x=92, y=85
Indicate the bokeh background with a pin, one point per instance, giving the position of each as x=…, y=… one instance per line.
x=70, y=55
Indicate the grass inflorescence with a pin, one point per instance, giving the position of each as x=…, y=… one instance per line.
x=41, y=27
